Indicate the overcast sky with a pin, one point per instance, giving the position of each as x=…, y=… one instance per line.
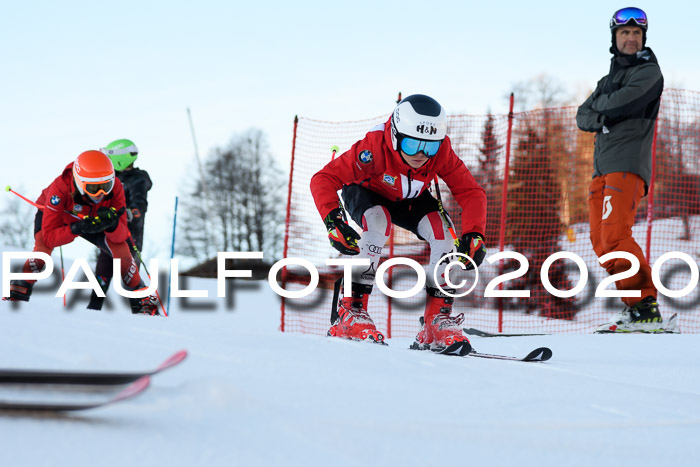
x=77, y=75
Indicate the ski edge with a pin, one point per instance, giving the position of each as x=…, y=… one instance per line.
x=132, y=390
x=85, y=378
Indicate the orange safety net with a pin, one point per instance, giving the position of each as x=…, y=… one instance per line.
x=537, y=208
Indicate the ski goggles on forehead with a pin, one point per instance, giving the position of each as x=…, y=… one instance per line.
x=412, y=146
x=622, y=17
x=101, y=188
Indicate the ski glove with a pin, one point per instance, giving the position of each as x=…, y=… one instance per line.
x=109, y=217
x=107, y=220
x=343, y=237
x=472, y=244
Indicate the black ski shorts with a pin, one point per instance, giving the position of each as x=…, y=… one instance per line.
x=406, y=213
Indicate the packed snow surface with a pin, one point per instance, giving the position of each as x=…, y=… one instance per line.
x=249, y=394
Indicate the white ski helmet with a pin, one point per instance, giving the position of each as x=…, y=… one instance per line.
x=418, y=117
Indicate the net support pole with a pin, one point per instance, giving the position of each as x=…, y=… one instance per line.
x=650, y=196
x=504, y=207
x=286, y=221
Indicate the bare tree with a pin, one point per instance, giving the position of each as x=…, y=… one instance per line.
x=541, y=91
x=245, y=210
x=17, y=223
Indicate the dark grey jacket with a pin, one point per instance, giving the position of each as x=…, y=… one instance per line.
x=622, y=112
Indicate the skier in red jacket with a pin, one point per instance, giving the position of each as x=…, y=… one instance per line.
x=86, y=201
x=384, y=179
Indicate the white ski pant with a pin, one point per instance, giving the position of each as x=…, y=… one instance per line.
x=376, y=223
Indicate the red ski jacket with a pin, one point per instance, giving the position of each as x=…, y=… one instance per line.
x=62, y=196
x=374, y=164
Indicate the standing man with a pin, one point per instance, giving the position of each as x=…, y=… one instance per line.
x=384, y=179
x=136, y=182
x=622, y=113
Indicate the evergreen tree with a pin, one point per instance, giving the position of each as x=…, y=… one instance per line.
x=534, y=226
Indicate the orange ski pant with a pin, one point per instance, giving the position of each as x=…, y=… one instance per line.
x=612, y=204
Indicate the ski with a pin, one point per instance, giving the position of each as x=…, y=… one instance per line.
x=458, y=349
x=464, y=349
x=541, y=354
x=57, y=377
x=134, y=389
x=480, y=333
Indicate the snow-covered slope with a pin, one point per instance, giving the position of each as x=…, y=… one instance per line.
x=250, y=395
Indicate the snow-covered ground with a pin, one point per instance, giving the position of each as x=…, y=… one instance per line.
x=250, y=395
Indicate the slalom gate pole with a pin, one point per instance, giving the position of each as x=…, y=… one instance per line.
x=138, y=255
x=287, y=218
x=172, y=253
x=504, y=205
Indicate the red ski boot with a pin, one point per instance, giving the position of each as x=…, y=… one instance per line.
x=353, y=321
x=439, y=330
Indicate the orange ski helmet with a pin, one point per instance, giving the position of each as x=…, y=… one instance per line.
x=93, y=174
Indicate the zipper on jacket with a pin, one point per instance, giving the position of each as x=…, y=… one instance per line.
x=409, y=188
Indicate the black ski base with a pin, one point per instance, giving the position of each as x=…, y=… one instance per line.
x=132, y=390
x=22, y=376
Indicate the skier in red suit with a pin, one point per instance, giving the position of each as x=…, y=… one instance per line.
x=86, y=201
x=384, y=179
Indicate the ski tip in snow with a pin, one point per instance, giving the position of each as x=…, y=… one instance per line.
x=175, y=359
x=541, y=354
x=461, y=349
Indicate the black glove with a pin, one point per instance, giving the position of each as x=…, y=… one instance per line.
x=472, y=244
x=86, y=226
x=343, y=237
x=107, y=220
x=109, y=217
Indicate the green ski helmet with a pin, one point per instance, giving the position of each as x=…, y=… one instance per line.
x=122, y=153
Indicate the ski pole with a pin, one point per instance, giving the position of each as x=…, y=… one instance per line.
x=60, y=248
x=9, y=188
x=138, y=255
x=38, y=206
x=444, y=214
x=335, y=149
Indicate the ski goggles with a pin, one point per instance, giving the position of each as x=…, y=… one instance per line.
x=102, y=188
x=95, y=188
x=625, y=15
x=412, y=146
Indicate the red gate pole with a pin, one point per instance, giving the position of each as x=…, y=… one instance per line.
x=504, y=207
x=286, y=221
x=650, y=198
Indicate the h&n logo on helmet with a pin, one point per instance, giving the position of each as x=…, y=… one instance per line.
x=426, y=129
